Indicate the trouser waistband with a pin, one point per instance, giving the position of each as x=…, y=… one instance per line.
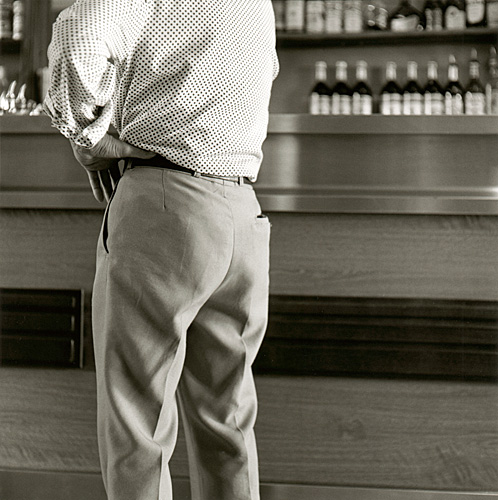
x=160, y=161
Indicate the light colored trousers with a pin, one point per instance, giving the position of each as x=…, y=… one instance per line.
x=179, y=312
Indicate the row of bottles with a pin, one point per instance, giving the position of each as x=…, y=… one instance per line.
x=350, y=16
x=11, y=19
x=410, y=99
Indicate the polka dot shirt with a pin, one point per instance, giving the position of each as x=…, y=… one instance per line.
x=187, y=79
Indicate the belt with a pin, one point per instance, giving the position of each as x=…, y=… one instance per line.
x=160, y=161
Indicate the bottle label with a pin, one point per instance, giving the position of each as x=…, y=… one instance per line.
x=294, y=15
x=492, y=11
x=475, y=103
x=345, y=105
x=353, y=18
x=475, y=11
x=412, y=103
x=433, y=104
x=408, y=23
x=341, y=104
x=315, y=16
x=390, y=104
x=453, y=104
x=361, y=104
x=333, y=16
x=319, y=104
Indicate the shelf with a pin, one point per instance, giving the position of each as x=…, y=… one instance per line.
x=469, y=35
x=299, y=124
x=8, y=46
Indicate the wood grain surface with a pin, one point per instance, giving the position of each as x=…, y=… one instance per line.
x=427, y=257
x=450, y=257
x=330, y=431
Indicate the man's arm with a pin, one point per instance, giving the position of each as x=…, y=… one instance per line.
x=86, y=38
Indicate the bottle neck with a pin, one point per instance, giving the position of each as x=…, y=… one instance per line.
x=320, y=73
x=453, y=73
x=432, y=71
x=391, y=72
x=411, y=72
x=361, y=73
x=341, y=74
x=474, y=70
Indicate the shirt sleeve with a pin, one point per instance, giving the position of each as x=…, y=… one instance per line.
x=83, y=76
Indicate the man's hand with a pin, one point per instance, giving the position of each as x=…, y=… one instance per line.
x=101, y=163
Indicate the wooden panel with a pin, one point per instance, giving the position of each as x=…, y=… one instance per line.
x=449, y=257
x=329, y=431
x=48, y=249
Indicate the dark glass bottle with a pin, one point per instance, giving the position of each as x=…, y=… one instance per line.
x=406, y=18
x=475, y=99
x=319, y=102
x=453, y=93
x=492, y=86
x=341, y=92
x=362, y=93
x=412, y=92
x=433, y=92
x=390, y=95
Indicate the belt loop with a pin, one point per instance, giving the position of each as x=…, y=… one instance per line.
x=128, y=164
x=241, y=181
x=196, y=174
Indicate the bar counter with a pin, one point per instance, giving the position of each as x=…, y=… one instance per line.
x=312, y=164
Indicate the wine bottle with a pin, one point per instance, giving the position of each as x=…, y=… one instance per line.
x=476, y=13
x=390, y=95
x=412, y=92
x=341, y=92
x=362, y=93
x=455, y=17
x=492, y=86
x=433, y=92
x=315, y=16
x=453, y=93
x=319, y=101
x=475, y=97
x=433, y=15
x=406, y=18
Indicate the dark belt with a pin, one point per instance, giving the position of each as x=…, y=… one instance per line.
x=160, y=161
